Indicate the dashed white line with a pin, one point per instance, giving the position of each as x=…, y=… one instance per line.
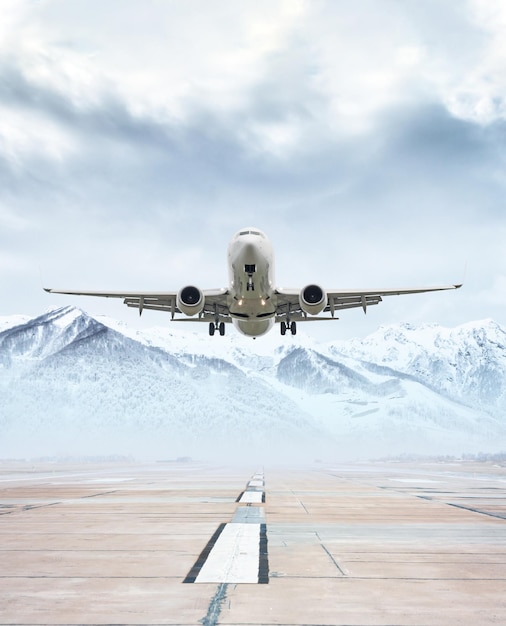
x=237, y=552
x=251, y=497
x=234, y=557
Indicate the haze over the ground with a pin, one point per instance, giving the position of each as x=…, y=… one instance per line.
x=366, y=139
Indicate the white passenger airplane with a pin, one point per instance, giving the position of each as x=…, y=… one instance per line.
x=252, y=302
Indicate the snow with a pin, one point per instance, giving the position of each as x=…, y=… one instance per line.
x=68, y=316
x=72, y=382
x=11, y=321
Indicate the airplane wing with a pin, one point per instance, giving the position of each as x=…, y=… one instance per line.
x=215, y=302
x=289, y=305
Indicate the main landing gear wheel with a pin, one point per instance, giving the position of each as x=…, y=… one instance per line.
x=284, y=326
x=214, y=326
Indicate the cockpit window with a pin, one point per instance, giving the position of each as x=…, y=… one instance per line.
x=250, y=232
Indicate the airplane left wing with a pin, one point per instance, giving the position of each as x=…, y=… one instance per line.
x=337, y=300
x=215, y=301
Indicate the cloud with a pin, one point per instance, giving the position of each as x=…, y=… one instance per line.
x=136, y=138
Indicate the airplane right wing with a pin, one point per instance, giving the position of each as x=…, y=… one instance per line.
x=337, y=300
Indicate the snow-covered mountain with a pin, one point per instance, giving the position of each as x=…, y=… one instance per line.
x=70, y=383
x=466, y=364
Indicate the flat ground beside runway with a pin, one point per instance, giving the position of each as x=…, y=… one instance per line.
x=377, y=543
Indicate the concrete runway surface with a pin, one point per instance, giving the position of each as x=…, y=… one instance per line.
x=192, y=543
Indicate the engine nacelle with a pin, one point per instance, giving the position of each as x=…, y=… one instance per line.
x=190, y=300
x=312, y=299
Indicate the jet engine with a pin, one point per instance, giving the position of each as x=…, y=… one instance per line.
x=190, y=300
x=312, y=299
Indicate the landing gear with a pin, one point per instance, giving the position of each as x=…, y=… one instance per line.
x=284, y=326
x=215, y=326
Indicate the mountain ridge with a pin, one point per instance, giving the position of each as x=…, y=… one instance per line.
x=72, y=383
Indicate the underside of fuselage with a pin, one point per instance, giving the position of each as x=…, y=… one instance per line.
x=253, y=328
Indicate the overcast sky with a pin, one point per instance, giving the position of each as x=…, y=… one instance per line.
x=366, y=138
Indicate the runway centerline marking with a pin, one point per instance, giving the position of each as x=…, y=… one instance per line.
x=235, y=556
x=237, y=551
x=252, y=497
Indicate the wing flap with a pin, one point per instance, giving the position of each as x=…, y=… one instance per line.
x=338, y=300
x=388, y=292
x=338, y=303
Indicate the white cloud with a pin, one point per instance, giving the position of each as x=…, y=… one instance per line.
x=478, y=91
x=14, y=14
x=27, y=134
x=171, y=61
x=165, y=59
x=140, y=135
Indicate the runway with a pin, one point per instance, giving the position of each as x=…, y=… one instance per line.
x=194, y=543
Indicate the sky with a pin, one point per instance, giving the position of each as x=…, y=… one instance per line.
x=366, y=138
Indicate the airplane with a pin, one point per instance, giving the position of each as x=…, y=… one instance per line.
x=252, y=302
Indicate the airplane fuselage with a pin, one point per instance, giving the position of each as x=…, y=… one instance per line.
x=251, y=298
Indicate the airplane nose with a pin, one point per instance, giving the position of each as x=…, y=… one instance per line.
x=248, y=253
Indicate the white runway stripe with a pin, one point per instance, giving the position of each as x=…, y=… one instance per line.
x=234, y=557
x=252, y=497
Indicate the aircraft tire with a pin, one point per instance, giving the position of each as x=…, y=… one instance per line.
x=282, y=328
x=222, y=328
x=211, y=329
x=293, y=328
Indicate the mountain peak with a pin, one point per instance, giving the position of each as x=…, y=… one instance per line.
x=48, y=333
x=62, y=316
